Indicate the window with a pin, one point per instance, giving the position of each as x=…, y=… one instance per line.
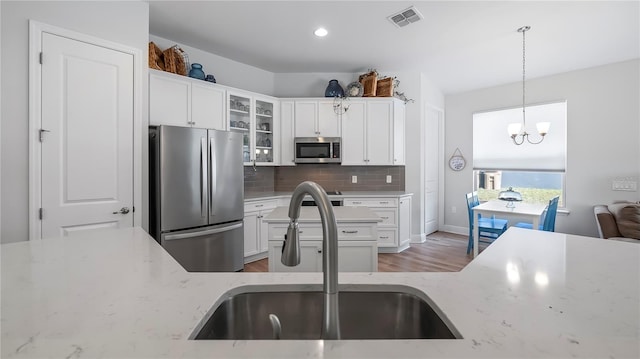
x=536, y=171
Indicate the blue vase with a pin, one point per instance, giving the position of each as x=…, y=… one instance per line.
x=196, y=72
x=334, y=89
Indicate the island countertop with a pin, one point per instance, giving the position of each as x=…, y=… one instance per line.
x=311, y=214
x=118, y=294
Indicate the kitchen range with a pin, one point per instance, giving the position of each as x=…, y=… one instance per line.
x=196, y=196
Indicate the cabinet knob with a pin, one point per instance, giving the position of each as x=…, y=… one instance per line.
x=319, y=250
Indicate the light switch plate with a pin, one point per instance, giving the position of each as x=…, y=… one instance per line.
x=354, y=179
x=388, y=178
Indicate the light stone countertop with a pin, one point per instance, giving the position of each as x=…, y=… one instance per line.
x=118, y=294
x=344, y=194
x=311, y=214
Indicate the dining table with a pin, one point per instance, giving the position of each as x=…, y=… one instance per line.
x=530, y=211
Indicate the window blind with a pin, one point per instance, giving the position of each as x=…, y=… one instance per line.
x=493, y=148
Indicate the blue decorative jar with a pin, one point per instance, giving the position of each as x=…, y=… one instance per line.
x=334, y=89
x=196, y=72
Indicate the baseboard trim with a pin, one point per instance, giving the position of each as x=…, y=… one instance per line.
x=418, y=238
x=455, y=230
x=256, y=257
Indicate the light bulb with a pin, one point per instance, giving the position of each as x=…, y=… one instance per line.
x=514, y=129
x=543, y=127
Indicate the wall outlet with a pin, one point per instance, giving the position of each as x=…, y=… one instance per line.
x=453, y=209
x=388, y=178
x=621, y=185
x=354, y=179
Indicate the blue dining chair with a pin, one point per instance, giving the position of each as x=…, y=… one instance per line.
x=490, y=228
x=549, y=217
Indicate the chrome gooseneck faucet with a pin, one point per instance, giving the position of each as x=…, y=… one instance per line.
x=291, y=251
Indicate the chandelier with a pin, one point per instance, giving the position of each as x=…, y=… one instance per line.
x=518, y=130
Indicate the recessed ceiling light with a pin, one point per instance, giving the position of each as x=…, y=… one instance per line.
x=321, y=32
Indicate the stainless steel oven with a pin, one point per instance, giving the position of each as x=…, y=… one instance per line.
x=317, y=150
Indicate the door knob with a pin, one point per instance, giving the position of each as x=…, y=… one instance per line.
x=123, y=210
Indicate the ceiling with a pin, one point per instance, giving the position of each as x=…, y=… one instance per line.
x=459, y=45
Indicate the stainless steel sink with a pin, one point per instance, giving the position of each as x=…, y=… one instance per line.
x=366, y=312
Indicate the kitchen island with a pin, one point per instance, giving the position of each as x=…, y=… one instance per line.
x=357, y=239
x=118, y=294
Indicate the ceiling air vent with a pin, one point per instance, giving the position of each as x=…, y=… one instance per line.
x=405, y=17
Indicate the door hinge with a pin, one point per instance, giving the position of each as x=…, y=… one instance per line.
x=42, y=131
x=40, y=213
x=40, y=59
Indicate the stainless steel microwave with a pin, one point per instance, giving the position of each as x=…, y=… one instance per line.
x=317, y=150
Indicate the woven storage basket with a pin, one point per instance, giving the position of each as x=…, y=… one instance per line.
x=368, y=82
x=174, y=61
x=384, y=87
x=155, y=57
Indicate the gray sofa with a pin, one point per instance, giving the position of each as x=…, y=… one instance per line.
x=618, y=221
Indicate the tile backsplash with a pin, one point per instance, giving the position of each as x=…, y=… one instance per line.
x=260, y=180
x=331, y=177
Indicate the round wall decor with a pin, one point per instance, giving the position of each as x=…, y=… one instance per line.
x=457, y=161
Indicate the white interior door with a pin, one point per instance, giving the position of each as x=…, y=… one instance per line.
x=87, y=149
x=433, y=126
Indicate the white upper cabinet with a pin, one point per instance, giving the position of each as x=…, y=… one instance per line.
x=183, y=101
x=380, y=136
x=286, y=133
x=306, y=118
x=316, y=118
x=255, y=117
x=353, y=134
x=207, y=106
x=329, y=121
x=169, y=100
x=373, y=132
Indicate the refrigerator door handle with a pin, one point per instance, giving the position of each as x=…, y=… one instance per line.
x=214, y=175
x=169, y=237
x=203, y=177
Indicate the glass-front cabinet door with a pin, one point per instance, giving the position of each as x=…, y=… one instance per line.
x=254, y=117
x=240, y=121
x=264, y=140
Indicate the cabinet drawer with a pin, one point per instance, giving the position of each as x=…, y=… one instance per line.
x=313, y=232
x=260, y=205
x=389, y=217
x=353, y=232
x=371, y=202
x=386, y=238
x=307, y=232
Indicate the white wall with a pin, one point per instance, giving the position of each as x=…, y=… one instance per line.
x=122, y=22
x=227, y=72
x=603, y=127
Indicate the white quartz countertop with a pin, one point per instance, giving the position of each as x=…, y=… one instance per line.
x=118, y=294
x=311, y=214
x=343, y=194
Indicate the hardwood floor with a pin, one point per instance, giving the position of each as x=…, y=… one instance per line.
x=441, y=252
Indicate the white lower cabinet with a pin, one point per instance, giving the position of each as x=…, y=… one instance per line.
x=357, y=248
x=394, y=232
x=256, y=232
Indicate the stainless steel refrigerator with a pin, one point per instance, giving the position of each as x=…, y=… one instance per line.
x=196, y=199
